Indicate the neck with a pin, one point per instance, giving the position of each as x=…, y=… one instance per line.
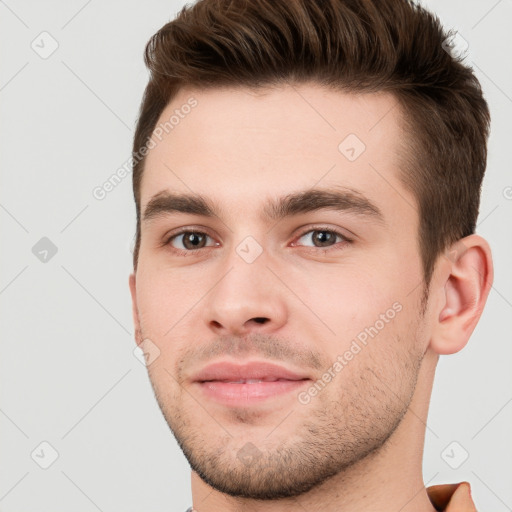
x=387, y=480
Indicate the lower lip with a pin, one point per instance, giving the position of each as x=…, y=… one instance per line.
x=230, y=393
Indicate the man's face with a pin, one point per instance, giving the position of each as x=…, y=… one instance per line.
x=321, y=280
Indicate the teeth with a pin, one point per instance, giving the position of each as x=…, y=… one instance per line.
x=253, y=381
x=243, y=381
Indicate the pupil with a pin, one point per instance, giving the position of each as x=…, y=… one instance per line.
x=323, y=237
x=194, y=239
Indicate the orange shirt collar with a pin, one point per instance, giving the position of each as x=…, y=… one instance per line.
x=452, y=497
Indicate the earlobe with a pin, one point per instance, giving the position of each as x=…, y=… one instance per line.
x=464, y=284
x=135, y=312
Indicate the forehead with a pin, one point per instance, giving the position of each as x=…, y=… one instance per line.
x=240, y=146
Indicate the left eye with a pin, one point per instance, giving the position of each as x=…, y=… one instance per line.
x=323, y=237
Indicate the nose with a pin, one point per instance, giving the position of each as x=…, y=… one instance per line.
x=246, y=299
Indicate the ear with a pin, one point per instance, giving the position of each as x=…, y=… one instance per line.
x=135, y=312
x=462, y=286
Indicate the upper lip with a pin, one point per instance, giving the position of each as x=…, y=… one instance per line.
x=260, y=370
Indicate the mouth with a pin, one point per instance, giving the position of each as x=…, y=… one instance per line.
x=253, y=381
x=242, y=385
x=259, y=371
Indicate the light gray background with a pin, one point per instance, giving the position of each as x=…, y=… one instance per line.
x=69, y=375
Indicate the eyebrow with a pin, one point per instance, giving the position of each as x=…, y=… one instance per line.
x=344, y=199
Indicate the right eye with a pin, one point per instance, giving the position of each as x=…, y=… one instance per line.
x=187, y=241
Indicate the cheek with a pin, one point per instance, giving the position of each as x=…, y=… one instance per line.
x=160, y=299
x=349, y=298
x=375, y=367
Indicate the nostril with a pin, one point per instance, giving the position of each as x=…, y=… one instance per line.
x=260, y=320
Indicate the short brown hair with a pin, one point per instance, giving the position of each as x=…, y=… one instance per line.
x=392, y=46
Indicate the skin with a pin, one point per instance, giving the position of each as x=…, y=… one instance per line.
x=357, y=445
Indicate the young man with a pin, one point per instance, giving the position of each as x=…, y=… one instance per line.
x=307, y=178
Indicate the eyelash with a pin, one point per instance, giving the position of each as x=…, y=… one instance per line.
x=345, y=240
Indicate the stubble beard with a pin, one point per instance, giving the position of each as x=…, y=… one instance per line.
x=341, y=429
